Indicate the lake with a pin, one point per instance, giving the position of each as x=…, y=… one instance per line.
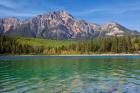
x=70, y=74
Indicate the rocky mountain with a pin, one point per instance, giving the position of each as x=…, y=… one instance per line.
x=60, y=25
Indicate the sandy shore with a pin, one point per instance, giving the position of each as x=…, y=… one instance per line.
x=87, y=55
x=98, y=55
x=80, y=55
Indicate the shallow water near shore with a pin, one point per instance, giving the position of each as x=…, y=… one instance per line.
x=70, y=74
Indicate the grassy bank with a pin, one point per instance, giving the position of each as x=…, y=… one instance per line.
x=45, y=42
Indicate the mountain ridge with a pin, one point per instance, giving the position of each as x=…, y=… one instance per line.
x=60, y=25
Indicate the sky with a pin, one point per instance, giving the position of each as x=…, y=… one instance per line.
x=125, y=12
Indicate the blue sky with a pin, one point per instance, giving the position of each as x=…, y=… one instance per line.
x=125, y=12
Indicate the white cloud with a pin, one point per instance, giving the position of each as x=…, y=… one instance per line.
x=7, y=3
x=116, y=11
x=25, y=8
x=20, y=14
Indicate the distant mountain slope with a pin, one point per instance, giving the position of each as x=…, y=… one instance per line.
x=60, y=25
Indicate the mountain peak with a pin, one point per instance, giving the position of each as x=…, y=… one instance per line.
x=60, y=25
x=112, y=23
x=61, y=13
x=8, y=24
x=12, y=19
x=65, y=14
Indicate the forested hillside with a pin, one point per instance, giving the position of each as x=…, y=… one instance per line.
x=11, y=45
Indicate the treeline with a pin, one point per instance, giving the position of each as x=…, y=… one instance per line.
x=10, y=45
x=106, y=45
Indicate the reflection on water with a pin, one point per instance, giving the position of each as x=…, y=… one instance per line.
x=40, y=74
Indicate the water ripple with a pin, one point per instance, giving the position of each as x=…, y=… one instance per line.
x=70, y=75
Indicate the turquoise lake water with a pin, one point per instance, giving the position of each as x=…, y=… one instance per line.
x=75, y=74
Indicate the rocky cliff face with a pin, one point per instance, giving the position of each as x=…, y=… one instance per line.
x=115, y=29
x=8, y=24
x=60, y=25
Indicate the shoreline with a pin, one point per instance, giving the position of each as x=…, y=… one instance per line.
x=99, y=55
x=80, y=55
